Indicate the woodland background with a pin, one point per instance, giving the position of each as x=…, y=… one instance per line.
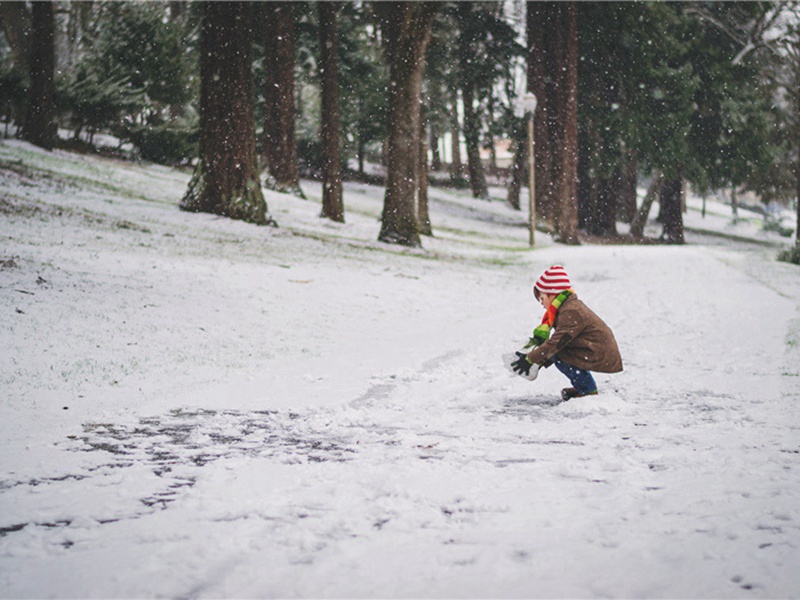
x=412, y=94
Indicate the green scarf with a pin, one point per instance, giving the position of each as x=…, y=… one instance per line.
x=542, y=333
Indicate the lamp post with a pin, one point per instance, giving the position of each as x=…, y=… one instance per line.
x=530, y=109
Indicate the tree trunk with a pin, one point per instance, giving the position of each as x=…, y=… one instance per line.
x=225, y=180
x=600, y=214
x=361, y=153
x=797, y=136
x=477, y=178
x=640, y=220
x=423, y=215
x=407, y=30
x=588, y=179
x=567, y=214
x=332, y=202
x=40, y=126
x=436, y=156
x=517, y=168
x=455, y=140
x=671, y=214
x=797, y=199
x=626, y=194
x=541, y=20
x=279, y=134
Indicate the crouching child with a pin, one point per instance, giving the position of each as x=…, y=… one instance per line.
x=571, y=337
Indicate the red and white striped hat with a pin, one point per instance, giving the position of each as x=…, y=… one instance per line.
x=553, y=281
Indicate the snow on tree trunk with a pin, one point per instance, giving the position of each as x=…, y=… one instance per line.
x=225, y=180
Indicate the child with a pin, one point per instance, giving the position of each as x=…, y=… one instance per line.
x=581, y=342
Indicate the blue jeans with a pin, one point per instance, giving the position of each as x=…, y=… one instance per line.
x=581, y=380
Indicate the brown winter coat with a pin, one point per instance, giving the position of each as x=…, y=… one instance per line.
x=581, y=339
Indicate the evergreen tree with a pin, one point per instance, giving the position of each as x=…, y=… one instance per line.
x=364, y=80
x=130, y=72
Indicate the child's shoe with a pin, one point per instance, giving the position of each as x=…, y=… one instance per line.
x=570, y=393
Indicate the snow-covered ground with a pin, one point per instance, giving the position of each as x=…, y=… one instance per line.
x=194, y=407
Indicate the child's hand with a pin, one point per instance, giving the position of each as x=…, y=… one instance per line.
x=522, y=366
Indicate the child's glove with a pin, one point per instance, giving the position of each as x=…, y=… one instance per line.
x=525, y=368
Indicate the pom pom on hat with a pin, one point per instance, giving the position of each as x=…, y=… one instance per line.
x=553, y=281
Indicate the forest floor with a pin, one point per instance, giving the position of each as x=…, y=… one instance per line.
x=197, y=407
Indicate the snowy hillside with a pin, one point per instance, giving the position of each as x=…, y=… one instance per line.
x=198, y=407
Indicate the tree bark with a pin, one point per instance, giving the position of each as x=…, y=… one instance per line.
x=626, y=194
x=603, y=221
x=436, y=156
x=279, y=131
x=226, y=180
x=477, y=178
x=517, y=169
x=40, y=126
x=407, y=30
x=541, y=20
x=797, y=200
x=456, y=168
x=640, y=220
x=332, y=201
x=671, y=213
x=567, y=215
x=423, y=214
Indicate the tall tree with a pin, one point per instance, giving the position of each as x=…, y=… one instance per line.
x=423, y=212
x=470, y=56
x=279, y=123
x=567, y=78
x=541, y=20
x=672, y=210
x=793, y=93
x=406, y=28
x=226, y=179
x=552, y=76
x=40, y=126
x=332, y=202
